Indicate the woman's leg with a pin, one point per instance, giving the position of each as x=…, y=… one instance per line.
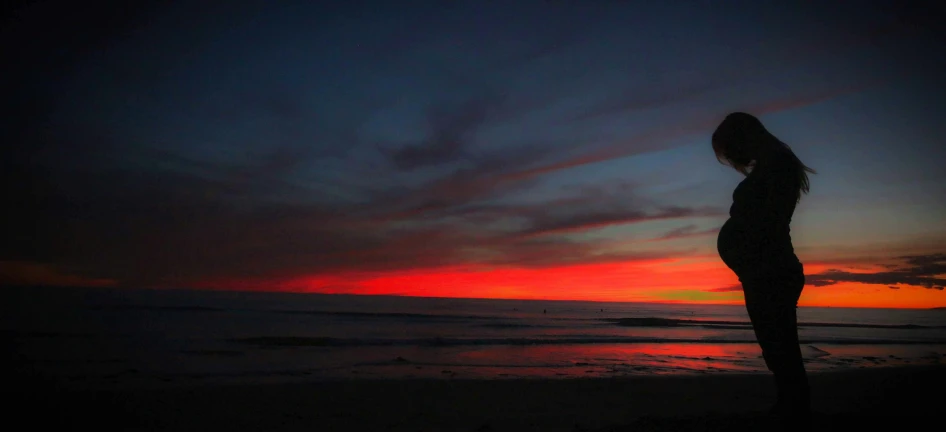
x=771, y=304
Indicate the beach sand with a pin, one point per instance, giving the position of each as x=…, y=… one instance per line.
x=866, y=399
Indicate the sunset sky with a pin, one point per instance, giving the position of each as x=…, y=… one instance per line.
x=521, y=149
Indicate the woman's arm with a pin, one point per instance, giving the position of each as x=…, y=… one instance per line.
x=771, y=202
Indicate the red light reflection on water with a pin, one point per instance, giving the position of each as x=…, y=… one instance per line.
x=617, y=359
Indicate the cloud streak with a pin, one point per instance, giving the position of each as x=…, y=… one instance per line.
x=728, y=288
x=584, y=220
x=261, y=173
x=206, y=219
x=927, y=271
x=688, y=231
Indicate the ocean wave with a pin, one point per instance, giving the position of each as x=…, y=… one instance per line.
x=671, y=322
x=623, y=322
x=506, y=321
x=508, y=325
x=302, y=341
x=134, y=308
x=13, y=334
x=397, y=315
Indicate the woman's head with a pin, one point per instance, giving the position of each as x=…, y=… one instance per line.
x=741, y=141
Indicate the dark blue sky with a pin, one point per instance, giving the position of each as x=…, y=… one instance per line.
x=167, y=144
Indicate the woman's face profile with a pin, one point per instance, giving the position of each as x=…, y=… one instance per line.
x=729, y=150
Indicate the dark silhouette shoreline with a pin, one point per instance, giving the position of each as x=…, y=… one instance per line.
x=863, y=400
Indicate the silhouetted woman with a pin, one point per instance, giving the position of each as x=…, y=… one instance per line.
x=755, y=243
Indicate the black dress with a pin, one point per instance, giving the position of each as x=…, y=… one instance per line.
x=756, y=244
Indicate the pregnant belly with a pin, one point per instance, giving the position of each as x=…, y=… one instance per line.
x=747, y=254
x=731, y=244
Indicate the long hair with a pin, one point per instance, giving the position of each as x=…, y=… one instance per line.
x=739, y=132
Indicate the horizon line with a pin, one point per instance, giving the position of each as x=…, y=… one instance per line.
x=246, y=291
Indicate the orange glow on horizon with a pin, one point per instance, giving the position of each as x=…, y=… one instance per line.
x=38, y=274
x=700, y=280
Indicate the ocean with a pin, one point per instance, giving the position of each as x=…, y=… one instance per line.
x=107, y=337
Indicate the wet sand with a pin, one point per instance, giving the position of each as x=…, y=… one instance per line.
x=888, y=398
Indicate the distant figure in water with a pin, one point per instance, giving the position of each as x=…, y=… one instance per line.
x=756, y=245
